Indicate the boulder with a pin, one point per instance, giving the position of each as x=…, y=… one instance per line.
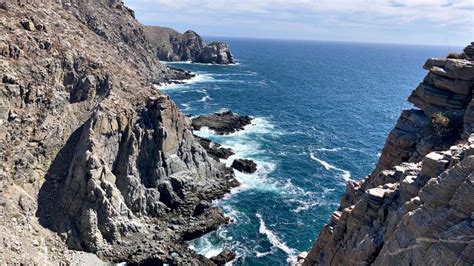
x=222, y=123
x=223, y=257
x=244, y=166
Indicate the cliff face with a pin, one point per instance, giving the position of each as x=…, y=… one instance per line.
x=416, y=208
x=171, y=45
x=93, y=157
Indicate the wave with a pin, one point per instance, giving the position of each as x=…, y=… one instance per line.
x=195, y=63
x=186, y=106
x=345, y=174
x=335, y=149
x=275, y=241
x=180, y=84
x=246, y=144
x=205, y=98
x=204, y=247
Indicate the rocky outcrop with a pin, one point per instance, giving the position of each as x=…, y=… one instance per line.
x=222, y=123
x=216, y=53
x=171, y=45
x=416, y=207
x=223, y=257
x=244, y=166
x=94, y=158
x=215, y=150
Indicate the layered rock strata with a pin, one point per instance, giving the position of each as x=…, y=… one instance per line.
x=93, y=157
x=171, y=45
x=417, y=207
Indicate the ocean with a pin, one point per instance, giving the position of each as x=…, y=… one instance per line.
x=322, y=113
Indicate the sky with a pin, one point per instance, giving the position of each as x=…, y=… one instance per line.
x=433, y=22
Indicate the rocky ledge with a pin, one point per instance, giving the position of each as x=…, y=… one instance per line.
x=222, y=123
x=416, y=208
x=215, y=150
x=171, y=45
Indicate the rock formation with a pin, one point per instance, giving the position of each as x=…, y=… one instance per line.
x=215, y=150
x=416, y=208
x=93, y=157
x=244, y=166
x=222, y=123
x=171, y=45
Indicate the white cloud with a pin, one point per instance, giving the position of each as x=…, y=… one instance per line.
x=450, y=15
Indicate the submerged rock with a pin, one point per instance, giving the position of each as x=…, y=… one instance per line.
x=244, y=166
x=222, y=123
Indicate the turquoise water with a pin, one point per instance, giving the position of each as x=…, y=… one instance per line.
x=323, y=111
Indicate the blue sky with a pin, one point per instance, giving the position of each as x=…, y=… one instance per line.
x=436, y=22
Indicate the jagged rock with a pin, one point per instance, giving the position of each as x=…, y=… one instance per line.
x=223, y=257
x=244, y=166
x=216, y=53
x=215, y=150
x=171, y=45
x=416, y=207
x=222, y=123
x=94, y=158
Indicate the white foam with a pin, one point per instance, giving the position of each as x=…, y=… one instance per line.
x=204, y=247
x=206, y=98
x=345, y=174
x=180, y=84
x=195, y=63
x=335, y=149
x=274, y=240
x=245, y=145
x=262, y=254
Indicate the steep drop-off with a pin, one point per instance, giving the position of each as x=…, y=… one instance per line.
x=171, y=45
x=93, y=157
x=416, y=208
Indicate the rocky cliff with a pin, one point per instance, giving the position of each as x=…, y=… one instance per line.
x=416, y=208
x=93, y=158
x=171, y=45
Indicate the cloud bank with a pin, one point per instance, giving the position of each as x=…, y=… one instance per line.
x=398, y=21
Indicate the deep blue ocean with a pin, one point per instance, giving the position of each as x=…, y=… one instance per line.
x=322, y=112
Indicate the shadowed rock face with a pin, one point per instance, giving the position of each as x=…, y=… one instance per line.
x=416, y=207
x=171, y=45
x=93, y=157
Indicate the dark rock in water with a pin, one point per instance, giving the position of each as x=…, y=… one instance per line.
x=222, y=123
x=244, y=166
x=223, y=257
x=216, y=53
x=215, y=150
x=210, y=221
x=170, y=45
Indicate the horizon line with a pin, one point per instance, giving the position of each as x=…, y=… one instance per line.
x=337, y=41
